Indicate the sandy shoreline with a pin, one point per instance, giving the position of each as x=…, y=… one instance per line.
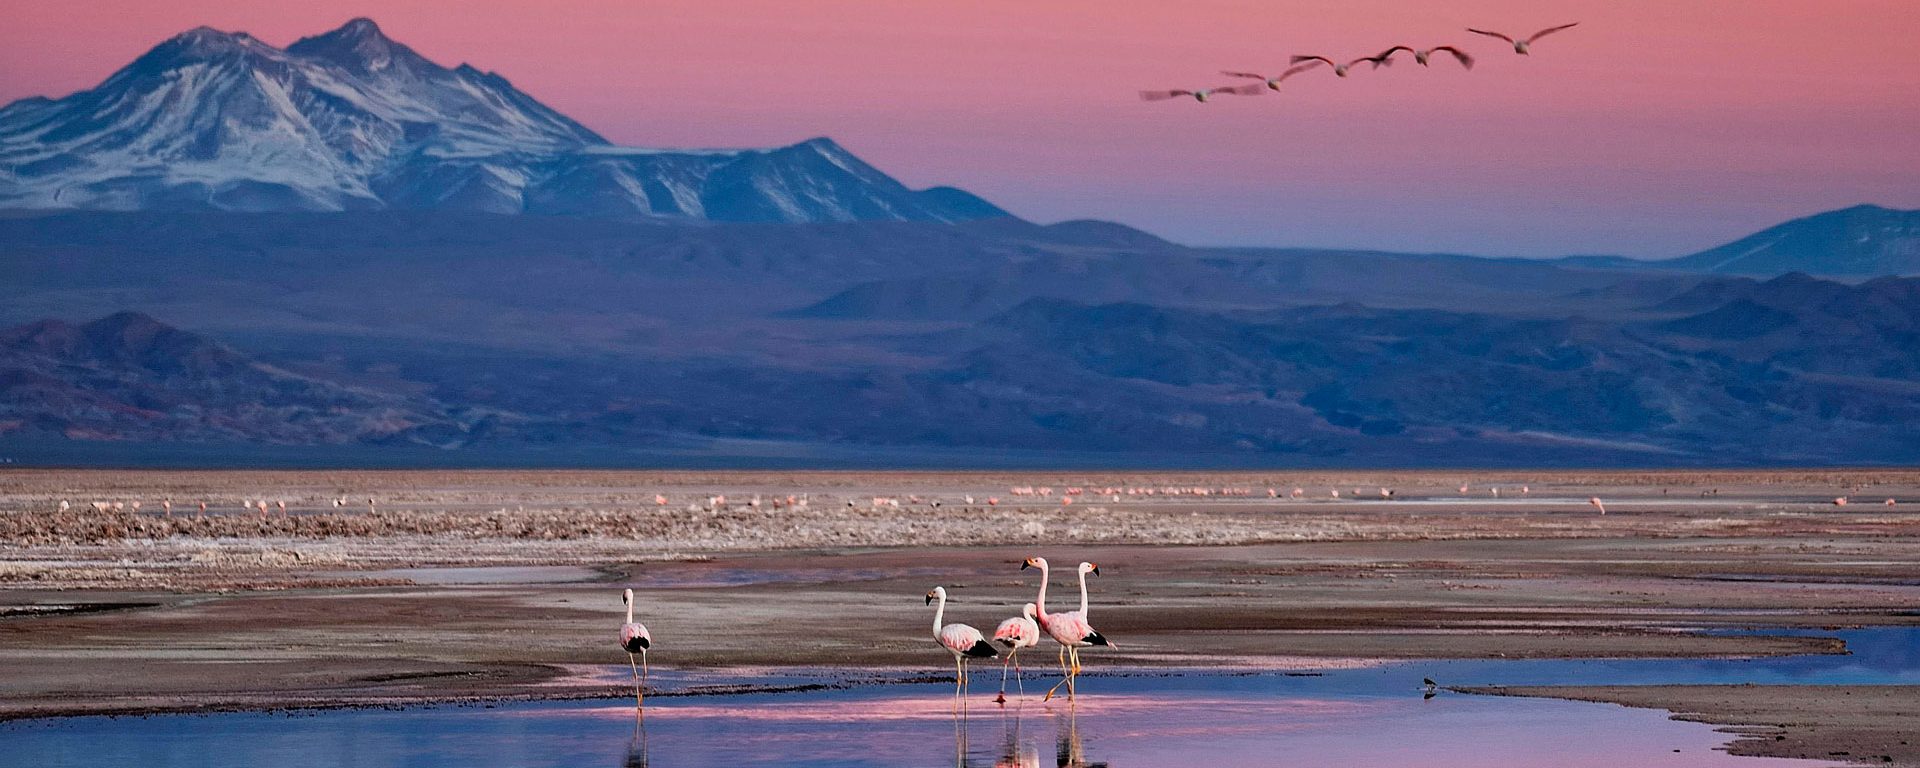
x=457, y=586
x=1872, y=724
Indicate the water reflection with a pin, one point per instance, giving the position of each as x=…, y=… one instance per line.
x=1013, y=753
x=1069, y=752
x=637, y=746
x=1365, y=717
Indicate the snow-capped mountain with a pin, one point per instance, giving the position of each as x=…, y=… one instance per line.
x=352, y=119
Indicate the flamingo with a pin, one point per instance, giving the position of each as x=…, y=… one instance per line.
x=1200, y=95
x=1309, y=62
x=1595, y=501
x=1014, y=634
x=1271, y=83
x=1423, y=57
x=1070, y=629
x=1520, y=46
x=964, y=642
x=634, y=638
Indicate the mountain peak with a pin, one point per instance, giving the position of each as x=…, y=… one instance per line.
x=1863, y=240
x=352, y=119
x=361, y=26
x=200, y=44
x=360, y=47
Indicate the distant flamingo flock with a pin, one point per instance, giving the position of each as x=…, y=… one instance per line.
x=1343, y=67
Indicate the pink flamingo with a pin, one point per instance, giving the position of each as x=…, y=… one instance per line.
x=1521, y=46
x=1309, y=62
x=964, y=642
x=1271, y=83
x=634, y=638
x=1016, y=633
x=1595, y=501
x=1070, y=629
x=1423, y=57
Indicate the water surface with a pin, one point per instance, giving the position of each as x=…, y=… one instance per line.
x=1374, y=716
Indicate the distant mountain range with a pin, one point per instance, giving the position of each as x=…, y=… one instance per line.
x=128, y=377
x=1793, y=370
x=352, y=120
x=339, y=245
x=1862, y=241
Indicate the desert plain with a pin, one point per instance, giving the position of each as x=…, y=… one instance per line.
x=377, y=588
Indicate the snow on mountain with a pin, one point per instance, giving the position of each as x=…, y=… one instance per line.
x=352, y=119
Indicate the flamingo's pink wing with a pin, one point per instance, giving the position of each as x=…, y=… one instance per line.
x=959, y=637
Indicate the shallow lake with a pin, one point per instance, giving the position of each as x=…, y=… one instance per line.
x=1370, y=716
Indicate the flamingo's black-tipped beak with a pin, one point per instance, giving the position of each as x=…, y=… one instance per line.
x=1096, y=570
x=929, y=599
x=1026, y=565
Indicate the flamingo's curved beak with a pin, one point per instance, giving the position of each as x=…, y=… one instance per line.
x=1096, y=570
x=929, y=599
x=1025, y=565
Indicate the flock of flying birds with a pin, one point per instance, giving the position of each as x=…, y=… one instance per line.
x=1300, y=64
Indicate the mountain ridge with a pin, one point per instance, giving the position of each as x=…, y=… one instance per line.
x=350, y=119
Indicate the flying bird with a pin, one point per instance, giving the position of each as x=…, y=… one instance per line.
x=634, y=639
x=964, y=642
x=1339, y=69
x=1272, y=83
x=1465, y=59
x=1520, y=46
x=1203, y=94
x=1014, y=634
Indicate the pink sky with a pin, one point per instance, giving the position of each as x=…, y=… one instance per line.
x=1657, y=127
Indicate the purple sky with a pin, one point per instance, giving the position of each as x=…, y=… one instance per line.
x=1655, y=128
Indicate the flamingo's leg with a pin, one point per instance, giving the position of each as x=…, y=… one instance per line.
x=1065, y=676
x=1016, y=674
x=637, y=702
x=1073, y=679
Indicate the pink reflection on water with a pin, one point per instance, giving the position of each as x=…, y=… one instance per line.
x=940, y=707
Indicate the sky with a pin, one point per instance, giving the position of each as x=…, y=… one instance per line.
x=1656, y=128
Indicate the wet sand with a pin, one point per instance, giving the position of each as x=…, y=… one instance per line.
x=1873, y=724
x=453, y=585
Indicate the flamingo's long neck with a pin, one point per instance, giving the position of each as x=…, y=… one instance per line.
x=939, y=612
x=629, y=602
x=1040, y=603
x=1083, y=593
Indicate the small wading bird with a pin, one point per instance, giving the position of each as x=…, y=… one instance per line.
x=1340, y=69
x=964, y=642
x=634, y=638
x=1014, y=634
x=1521, y=45
x=1071, y=629
x=1200, y=95
x=1272, y=84
x=1595, y=501
x=1423, y=57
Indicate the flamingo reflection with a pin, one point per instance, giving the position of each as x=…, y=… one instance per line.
x=637, y=747
x=1013, y=754
x=1068, y=751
